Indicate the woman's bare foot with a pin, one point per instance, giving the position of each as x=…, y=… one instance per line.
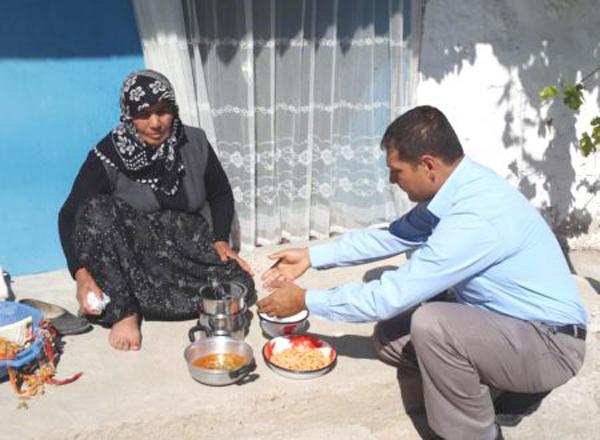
x=125, y=334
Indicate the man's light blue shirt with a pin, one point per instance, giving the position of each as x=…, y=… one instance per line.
x=477, y=235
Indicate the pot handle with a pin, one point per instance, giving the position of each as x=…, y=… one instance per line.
x=198, y=327
x=241, y=372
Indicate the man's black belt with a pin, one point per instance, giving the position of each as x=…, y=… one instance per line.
x=576, y=331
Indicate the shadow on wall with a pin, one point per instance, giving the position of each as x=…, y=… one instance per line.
x=540, y=43
x=66, y=29
x=212, y=20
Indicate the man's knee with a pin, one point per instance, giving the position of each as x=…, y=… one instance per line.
x=378, y=340
x=393, y=346
x=427, y=325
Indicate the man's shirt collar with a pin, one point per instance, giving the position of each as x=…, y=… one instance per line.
x=442, y=201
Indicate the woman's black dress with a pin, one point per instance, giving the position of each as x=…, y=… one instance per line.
x=153, y=264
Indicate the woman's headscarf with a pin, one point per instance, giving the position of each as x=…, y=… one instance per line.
x=160, y=167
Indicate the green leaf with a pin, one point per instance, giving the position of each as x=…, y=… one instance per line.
x=548, y=92
x=596, y=121
x=573, y=96
x=586, y=145
x=596, y=134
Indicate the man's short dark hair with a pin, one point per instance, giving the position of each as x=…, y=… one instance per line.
x=422, y=130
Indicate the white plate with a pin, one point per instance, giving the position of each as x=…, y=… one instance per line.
x=281, y=343
x=298, y=317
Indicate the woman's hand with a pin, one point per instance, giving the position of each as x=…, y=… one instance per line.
x=289, y=265
x=225, y=252
x=85, y=284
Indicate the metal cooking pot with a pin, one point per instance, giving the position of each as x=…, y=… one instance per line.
x=228, y=298
x=219, y=344
x=228, y=323
x=237, y=333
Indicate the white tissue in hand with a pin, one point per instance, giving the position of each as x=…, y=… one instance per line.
x=95, y=303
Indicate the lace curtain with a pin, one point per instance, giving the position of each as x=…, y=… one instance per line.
x=294, y=96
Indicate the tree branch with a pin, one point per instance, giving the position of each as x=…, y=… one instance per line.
x=585, y=78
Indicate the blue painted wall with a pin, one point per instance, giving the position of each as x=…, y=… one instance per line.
x=61, y=66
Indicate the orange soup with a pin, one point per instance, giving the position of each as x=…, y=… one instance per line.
x=220, y=361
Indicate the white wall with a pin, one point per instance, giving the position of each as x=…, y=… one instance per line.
x=483, y=63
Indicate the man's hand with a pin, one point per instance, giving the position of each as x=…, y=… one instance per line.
x=289, y=265
x=225, y=252
x=286, y=300
x=85, y=284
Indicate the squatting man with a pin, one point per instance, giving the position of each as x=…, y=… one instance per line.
x=518, y=323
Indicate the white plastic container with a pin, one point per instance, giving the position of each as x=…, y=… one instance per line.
x=3, y=286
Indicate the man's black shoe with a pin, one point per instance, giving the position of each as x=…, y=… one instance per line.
x=512, y=407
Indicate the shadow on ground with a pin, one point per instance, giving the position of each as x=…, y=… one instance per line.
x=352, y=346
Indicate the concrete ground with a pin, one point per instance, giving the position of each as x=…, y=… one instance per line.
x=150, y=395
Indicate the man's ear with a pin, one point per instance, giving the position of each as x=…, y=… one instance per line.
x=429, y=162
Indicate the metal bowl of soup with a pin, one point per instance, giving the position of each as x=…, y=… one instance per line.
x=219, y=360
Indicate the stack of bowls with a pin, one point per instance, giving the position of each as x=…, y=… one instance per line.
x=223, y=321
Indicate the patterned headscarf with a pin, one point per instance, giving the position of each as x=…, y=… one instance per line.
x=160, y=167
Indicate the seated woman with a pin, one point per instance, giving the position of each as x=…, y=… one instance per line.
x=131, y=226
